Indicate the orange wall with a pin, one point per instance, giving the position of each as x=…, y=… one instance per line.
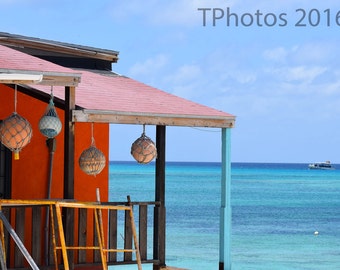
x=30, y=172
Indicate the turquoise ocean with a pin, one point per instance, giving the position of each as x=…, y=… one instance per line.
x=276, y=211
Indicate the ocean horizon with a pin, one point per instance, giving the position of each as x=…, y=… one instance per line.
x=284, y=215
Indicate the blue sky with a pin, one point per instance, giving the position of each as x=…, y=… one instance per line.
x=281, y=80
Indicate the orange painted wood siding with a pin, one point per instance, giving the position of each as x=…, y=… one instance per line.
x=30, y=172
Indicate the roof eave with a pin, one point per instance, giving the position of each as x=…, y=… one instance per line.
x=14, y=76
x=58, y=47
x=118, y=117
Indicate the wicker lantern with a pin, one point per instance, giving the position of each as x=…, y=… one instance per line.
x=50, y=124
x=143, y=149
x=92, y=161
x=15, y=131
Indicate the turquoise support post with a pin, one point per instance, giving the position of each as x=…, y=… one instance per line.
x=225, y=214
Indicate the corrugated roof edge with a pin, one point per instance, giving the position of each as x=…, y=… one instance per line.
x=56, y=46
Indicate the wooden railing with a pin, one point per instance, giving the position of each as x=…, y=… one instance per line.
x=32, y=223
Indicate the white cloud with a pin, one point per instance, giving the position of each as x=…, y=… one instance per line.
x=278, y=54
x=315, y=52
x=242, y=76
x=184, y=74
x=149, y=67
x=186, y=81
x=188, y=91
x=304, y=74
x=308, y=68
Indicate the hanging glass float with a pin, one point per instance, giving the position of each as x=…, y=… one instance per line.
x=143, y=149
x=92, y=161
x=15, y=131
x=50, y=124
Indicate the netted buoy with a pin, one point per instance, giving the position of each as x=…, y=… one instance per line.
x=92, y=161
x=50, y=124
x=15, y=132
x=143, y=149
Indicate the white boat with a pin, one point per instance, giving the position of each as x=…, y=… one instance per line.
x=321, y=166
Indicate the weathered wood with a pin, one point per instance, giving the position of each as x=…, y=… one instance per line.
x=96, y=253
x=143, y=231
x=118, y=117
x=7, y=213
x=113, y=223
x=13, y=76
x=2, y=255
x=51, y=258
x=173, y=268
x=36, y=233
x=23, y=209
x=82, y=233
x=127, y=236
x=18, y=242
x=135, y=240
x=70, y=105
x=68, y=214
x=58, y=48
x=20, y=231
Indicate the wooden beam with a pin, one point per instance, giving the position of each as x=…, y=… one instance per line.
x=116, y=117
x=14, y=76
x=70, y=97
x=160, y=210
x=68, y=215
x=58, y=47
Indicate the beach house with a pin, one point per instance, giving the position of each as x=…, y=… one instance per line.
x=42, y=176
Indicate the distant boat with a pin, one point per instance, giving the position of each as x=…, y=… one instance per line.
x=321, y=166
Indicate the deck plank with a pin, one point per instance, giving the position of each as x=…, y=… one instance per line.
x=173, y=268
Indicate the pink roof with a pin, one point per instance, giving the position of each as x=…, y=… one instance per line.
x=13, y=59
x=124, y=94
x=110, y=92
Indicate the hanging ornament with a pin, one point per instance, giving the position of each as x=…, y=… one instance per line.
x=143, y=149
x=15, y=131
x=92, y=161
x=50, y=124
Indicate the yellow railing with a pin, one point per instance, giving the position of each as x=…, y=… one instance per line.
x=56, y=221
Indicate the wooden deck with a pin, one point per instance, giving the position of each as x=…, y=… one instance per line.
x=173, y=268
x=100, y=268
x=27, y=218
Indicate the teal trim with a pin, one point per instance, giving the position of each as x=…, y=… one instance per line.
x=225, y=212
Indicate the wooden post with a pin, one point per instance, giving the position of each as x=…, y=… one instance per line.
x=70, y=105
x=225, y=215
x=69, y=143
x=160, y=213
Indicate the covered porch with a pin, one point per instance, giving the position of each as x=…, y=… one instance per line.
x=106, y=98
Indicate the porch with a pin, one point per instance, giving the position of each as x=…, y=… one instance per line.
x=85, y=97
x=111, y=241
